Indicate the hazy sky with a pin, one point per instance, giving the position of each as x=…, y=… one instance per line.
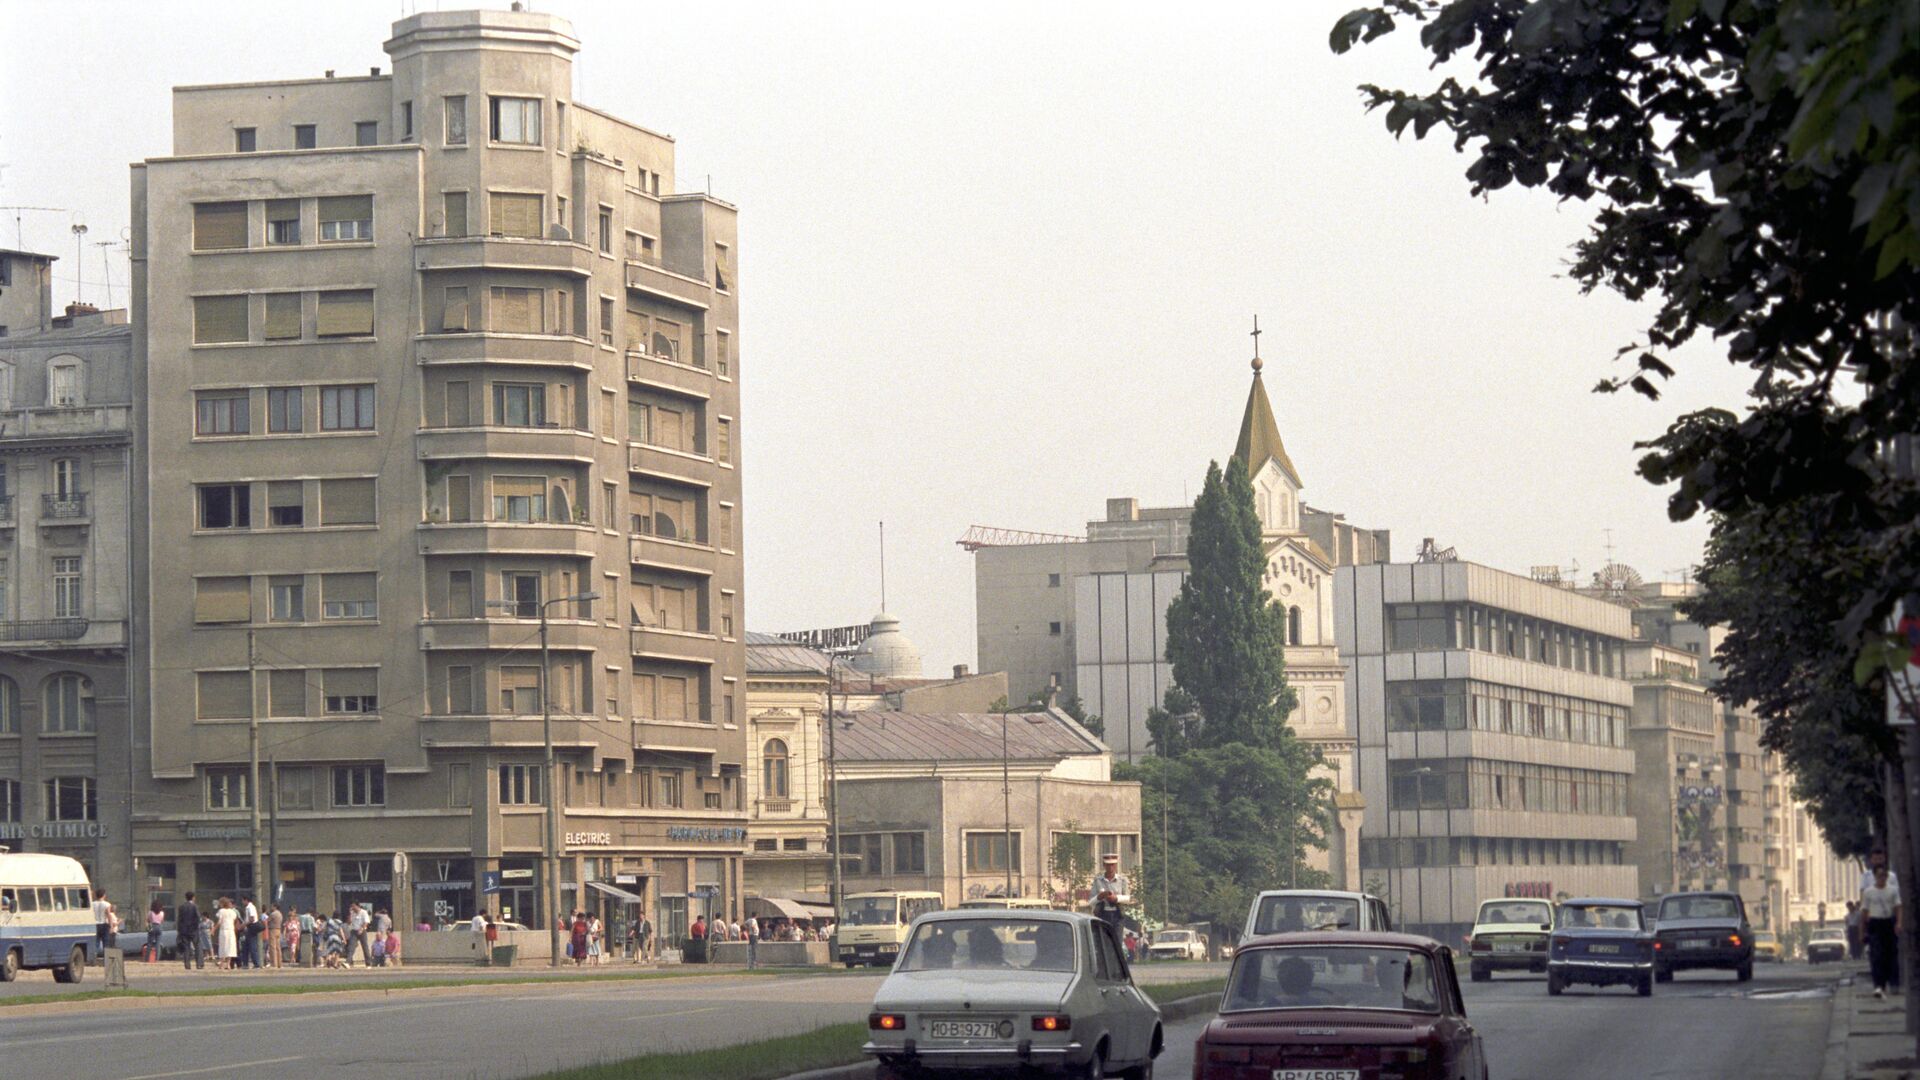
x=998, y=263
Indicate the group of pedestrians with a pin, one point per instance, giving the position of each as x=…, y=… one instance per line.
x=237, y=935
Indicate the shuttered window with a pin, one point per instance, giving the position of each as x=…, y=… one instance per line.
x=222, y=600
x=219, y=226
x=456, y=202
x=346, y=502
x=219, y=318
x=519, y=498
x=517, y=311
x=283, y=316
x=459, y=498
x=224, y=695
x=347, y=596
x=459, y=690
x=514, y=214
x=453, y=313
x=287, y=692
x=346, y=217
x=283, y=221
x=346, y=313
x=286, y=504
x=351, y=690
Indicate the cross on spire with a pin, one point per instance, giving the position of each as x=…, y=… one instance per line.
x=1257, y=364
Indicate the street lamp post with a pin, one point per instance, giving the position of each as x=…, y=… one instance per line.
x=833, y=807
x=551, y=843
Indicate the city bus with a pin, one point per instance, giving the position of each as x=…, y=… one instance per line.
x=1007, y=903
x=46, y=916
x=873, y=925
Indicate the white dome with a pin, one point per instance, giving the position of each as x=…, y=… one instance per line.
x=887, y=653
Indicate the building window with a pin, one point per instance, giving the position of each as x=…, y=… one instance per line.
x=519, y=405
x=243, y=140
x=453, y=310
x=520, y=785
x=283, y=222
x=286, y=504
x=219, y=320
x=406, y=121
x=294, y=787
x=225, y=506
x=1053, y=581
x=723, y=440
x=9, y=706
x=515, y=213
x=345, y=313
x=304, y=137
x=722, y=275
x=909, y=853
x=289, y=599
x=672, y=789
x=457, y=120
x=726, y=526
x=283, y=321
x=606, y=230
x=222, y=600
x=359, y=785
x=227, y=789
x=223, y=413
x=520, y=691
x=71, y=798
x=514, y=120
x=346, y=408
x=366, y=133
x=519, y=498
x=9, y=801
x=516, y=311
x=66, y=385
x=726, y=615
x=455, y=211
x=722, y=353
x=351, y=690
x=219, y=226
x=606, y=320
x=987, y=852
x=773, y=769
x=1422, y=626
x=68, y=705
x=284, y=412
x=1293, y=625
x=345, y=218
x=348, y=596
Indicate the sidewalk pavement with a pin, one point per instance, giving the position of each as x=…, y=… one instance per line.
x=1867, y=1039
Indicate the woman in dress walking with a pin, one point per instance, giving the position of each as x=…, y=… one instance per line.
x=226, y=937
x=579, y=938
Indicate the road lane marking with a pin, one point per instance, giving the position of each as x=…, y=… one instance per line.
x=214, y=1069
x=681, y=1012
x=197, y=1028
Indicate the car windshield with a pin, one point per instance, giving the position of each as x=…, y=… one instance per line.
x=1513, y=911
x=1829, y=935
x=1331, y=976
x=870, y=911
x=1699, y=907
x=1606, y=916
x=990, y=945
x=1284, y=914
x=1173, y=937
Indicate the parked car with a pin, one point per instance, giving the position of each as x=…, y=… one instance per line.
x=1341, y=1005
x=1509, y=935
x=1827, y=943
x=1766, y=947
x=134, y=942
x=1602, y=942
x=1040, y=991
x=1282, y=911
x=1177, y=945
x=1702, y=931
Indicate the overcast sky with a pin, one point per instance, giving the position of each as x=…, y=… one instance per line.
x=998, y=264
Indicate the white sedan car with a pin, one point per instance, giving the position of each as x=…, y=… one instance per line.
x=1177, y=945
x=1040, y=991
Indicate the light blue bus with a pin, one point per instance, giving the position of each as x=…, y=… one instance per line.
x=46, y=916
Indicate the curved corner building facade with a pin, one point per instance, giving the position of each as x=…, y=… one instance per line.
x=1492, y=715
x=425, y=350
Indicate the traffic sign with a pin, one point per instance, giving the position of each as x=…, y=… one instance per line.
x=489, y=881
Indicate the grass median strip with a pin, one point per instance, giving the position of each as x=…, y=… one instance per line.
x=241, y=988
x=821, y=1048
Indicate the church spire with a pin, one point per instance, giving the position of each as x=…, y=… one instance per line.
x=1259, y=433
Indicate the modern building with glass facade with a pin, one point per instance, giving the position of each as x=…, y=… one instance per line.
x=425, y=355
x=1491, y=715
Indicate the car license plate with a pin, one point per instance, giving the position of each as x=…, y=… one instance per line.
x=964, y=1029
x=1694, y=943
x=1509, y=946
x=1316, y=1074
x=1603, y=948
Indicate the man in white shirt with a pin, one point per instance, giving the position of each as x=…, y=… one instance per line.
x=1877, y=859
x=357, y=922
x=1110, y=891
x=752, y=931
x=102, y=923
x=1881, y=900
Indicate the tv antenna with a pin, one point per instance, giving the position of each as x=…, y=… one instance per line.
x=79, y=279
x=19, y=236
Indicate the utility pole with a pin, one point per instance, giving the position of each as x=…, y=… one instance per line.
x=253, y=766
x=833, y=801
x=273, y=836
x=1006, y=799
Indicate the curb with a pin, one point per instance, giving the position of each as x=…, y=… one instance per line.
x=1184, y=1009
x=1839, y=1031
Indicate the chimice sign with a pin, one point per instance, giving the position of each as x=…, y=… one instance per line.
x=1531, y=890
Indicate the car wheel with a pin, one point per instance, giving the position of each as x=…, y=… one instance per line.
x=1481, y=974
x=9, y=965
x=1143, y=1071
x=1553, y=983
x=74, y=969
x=1745, y=974
x=1646, y=986
x=1096, y=1066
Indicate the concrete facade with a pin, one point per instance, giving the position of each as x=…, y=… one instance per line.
x=65, y=446
x=423, y=352
x=1492, y=719
x=26, y=293
x=1678, y=793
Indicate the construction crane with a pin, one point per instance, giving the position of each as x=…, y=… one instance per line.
x=984, y=536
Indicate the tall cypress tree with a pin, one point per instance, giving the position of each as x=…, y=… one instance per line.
x=1225, y=632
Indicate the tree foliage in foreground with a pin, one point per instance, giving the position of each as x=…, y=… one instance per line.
x=1755, y=168
x=1231, y=782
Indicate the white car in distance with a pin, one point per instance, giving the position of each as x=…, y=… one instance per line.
x=1177, y=945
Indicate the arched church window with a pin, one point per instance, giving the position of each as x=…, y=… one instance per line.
x=1293, y=625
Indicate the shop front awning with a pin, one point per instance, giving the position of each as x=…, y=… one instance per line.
x=781, y=907
x=616, y=892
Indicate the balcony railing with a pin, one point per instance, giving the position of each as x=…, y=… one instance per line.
x=6, y=509
x=653, y=258
x=65, y=504
x=43, y=630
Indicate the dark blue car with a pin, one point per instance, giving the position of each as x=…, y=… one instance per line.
x=1602, y=942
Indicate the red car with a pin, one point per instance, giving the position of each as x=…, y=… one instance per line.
x=1341, y=1006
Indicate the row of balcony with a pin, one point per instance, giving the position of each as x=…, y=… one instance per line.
x=440, y=635
x=65, y=421
x=655, y=732
x=693, y=555
x=65, y=507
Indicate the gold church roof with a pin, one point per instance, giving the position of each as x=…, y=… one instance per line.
x=1260, y=434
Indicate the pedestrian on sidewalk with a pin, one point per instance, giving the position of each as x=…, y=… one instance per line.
x=644, y=939
x=492, y=933
x=1882, y=903
x=1856, y=930
x=156, y=922
x=102, y=923
x=310, y=944
x=251, y=925
x=357, y=923
x=276, y=935
x=578, y=946
x=188, y=933
x=227, y=940
x=753, y=942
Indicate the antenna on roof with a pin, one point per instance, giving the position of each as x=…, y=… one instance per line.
x=883, y=566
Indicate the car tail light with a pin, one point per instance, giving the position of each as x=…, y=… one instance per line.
x=1053, y=1022
x=1658, y=945
x=886, y=1022
x=1477, y=945
x=1734, y=940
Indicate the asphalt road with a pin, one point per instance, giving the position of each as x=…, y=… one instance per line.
x=1700, y=1025
x=497, y=1032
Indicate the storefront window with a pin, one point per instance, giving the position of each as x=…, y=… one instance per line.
x=443, y=890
